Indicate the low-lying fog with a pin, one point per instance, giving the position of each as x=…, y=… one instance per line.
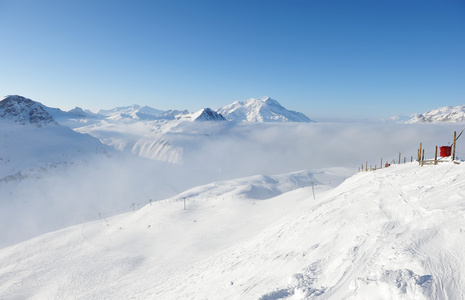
x=211, y=152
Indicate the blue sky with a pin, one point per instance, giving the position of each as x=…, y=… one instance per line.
x=356, y=59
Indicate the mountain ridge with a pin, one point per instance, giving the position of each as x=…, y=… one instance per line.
x=446, y=114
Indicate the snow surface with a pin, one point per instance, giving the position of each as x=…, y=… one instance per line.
x=395, y=233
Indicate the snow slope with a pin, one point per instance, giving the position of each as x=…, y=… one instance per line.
x=443, y=114
x=395, y=233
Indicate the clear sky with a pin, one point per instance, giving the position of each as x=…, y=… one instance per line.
x=358, y=59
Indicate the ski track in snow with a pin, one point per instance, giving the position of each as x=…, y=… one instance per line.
x=395, y=233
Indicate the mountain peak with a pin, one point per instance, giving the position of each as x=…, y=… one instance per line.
x=207, y=114
x=270, y=101
x=24, y=110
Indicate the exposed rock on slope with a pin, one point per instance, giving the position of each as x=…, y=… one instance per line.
x=25, y=111
x=208, y=114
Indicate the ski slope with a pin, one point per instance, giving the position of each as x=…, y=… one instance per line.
x=395, y=233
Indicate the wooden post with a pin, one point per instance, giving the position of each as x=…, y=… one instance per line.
x=411, y=158
x=405, y=159
x=453, y=146
x=362, y=167
x=436, y=156
x=399, y=158
x=381, y=165
x=419, y=154
x=366, y=166
x=423, y=157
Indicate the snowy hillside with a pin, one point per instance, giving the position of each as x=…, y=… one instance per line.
x=394, y=233
x=266, y=110
x=443, y=114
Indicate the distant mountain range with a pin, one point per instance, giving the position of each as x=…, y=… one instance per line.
x=38, y=136
x=443, y=114
x=24, y=110
x=252, y=110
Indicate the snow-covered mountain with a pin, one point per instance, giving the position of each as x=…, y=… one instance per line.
x=137, y=112
x=206, y=114
x=25, y=111
x=266, y=110
x=395, y=233
x=443, y=114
